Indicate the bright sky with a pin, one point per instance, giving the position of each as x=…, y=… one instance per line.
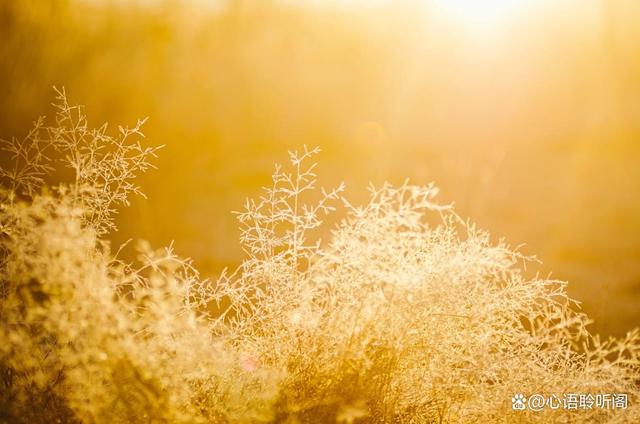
x=480, y=12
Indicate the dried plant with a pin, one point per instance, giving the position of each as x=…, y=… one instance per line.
x=407, y=314
x=105, y=167
x=31, y=162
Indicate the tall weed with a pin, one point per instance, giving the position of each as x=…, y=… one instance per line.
x=406, y=314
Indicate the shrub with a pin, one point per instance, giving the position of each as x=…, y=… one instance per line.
x=407, y=314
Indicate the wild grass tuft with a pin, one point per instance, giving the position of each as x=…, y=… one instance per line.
x=406, y=314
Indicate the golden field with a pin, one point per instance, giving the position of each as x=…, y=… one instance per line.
x=394, y=304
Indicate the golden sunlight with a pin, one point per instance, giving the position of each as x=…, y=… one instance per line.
x=337, y=211
x=480, y=13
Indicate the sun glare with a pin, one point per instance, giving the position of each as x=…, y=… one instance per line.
x=479, y=12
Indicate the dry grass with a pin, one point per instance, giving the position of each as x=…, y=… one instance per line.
x=407, y=314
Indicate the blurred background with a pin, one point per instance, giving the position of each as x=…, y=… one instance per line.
x=526, y=113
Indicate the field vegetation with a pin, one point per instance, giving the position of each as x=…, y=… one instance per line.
x=405, y=313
